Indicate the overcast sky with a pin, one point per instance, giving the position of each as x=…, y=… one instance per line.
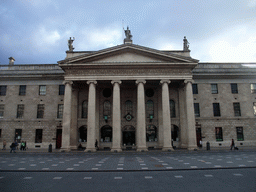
x=36, y=31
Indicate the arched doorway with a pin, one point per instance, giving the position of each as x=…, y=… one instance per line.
x=106, y=133
x=83, y=134
x=129, y=135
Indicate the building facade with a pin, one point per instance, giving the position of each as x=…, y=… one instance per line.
x=128, y=97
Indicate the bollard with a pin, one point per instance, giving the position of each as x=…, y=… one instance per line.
x=207, y=145
x=50, y=148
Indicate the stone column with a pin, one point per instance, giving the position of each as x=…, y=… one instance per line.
x=183, y=119
x=191, y=130
x=167, y=139
x=141, y=117
x=116, y=129
x=73, y=129
x=91, y=124
x=67, y=116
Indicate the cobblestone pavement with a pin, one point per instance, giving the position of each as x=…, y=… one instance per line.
x=129, y=161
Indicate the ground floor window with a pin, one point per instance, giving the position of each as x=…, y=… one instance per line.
x=83, y=134
x=175, y=133
x=39, y=136
x=106, y=134
x=218, y=133
x=151, y=133
x=18, y=135
x=239, y=133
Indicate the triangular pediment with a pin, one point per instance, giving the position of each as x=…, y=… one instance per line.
x=128, y=53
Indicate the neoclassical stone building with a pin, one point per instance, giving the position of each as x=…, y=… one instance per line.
x=128, y=97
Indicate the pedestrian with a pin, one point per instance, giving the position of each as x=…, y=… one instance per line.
x=96, y=144
x=13, y=147
x=16, y=144
x=25, y=148
x=200, y=143
x=22, y=146
x=232, y=144
x=4, y=145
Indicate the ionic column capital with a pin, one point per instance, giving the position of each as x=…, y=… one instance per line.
x=188, y=81
x=165, y=81
x=140, y=81
x=68, y=82
x=116, y=81
x=89, y=82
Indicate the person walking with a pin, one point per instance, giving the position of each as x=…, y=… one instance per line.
x=232, y=144
x=13, y=147
x=4, y=145
x=96, y=145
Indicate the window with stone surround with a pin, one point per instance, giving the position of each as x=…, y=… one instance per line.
x=234, y=88
x=254, y=109
x=61, y=89
x=20, y=111
x=196, y=109
x=84, y=109
x=237, y=110
x=3, y=90
x=18, y=133
x=253, y=87
x=106, y=134
x=239, y=133
x=128, y=107
x=151, y=133
x=214, y=88
x=40, y=111
x=42, y=89
x=172, y=108
x=216, y=109
x=60, y=111
x=83, y=134
x=150, y=109
x=218, y=133
x=1, y=111
x=39, y=136
x=22, y=90
x=106, y=110
x=194, y=88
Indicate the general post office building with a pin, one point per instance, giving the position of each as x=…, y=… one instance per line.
x=128, y=97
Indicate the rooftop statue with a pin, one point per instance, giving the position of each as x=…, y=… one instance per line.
x=70, y=42
x=185, y=44
x=128, y=36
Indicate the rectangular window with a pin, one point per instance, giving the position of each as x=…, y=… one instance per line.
x=20, y=111
x=240, y=133
x=39, y=136
x=3, y=90
x=194, y=88
x=237, y=109
x=234, y=88
x=218, y=133
x=1, y=111
x=42, y=89
x=0, y=133
x=18, y=135
x=61, y=89
x=216, y=109
x=22, y=90
x=60, y=111
x=254, y=108
x=40, y=111
x=253, y=88
x=196, y=109
x=214, y=88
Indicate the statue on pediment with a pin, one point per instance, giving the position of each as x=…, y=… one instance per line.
x=185, y=44
x=128, y=36
x=70, y=44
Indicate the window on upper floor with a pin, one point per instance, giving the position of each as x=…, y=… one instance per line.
x=150, y=109
x=218, y=134
x=42, y=89
x=237, y=110
x=106, y=110
x=3, y=90
x=40, y=111
x=196, y=109
x=172, y=108
x=20, y=111
x=1, y=111
x=60, y=111
x=84, y=109
x=214, y=88
x=216, y=109
x=22, y=90
x=239, y=133
x=253, y=87
x=61, y=89
x=234, y=88
x=194, y=88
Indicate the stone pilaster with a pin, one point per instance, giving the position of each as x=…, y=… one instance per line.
x=116, y=141
x=141, y=117
x=91, y=124
x=167, y=139
x=191, y=130
x=67, y=116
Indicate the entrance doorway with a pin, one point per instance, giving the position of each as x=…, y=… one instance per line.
x=129, y=135
x=198, y=134
x=58, y=138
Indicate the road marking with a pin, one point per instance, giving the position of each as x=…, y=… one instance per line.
x=10, y=165
x=208, y=175
x=42, y=162
x=144, y=167
x=180, y=160
x=118, y=177
x=178, y=176
x=45, y=168
x=164, y=164
x=237, y=174
x=142, y=164
x=70, y=169
x=250, y=161
x=98, y=165
x=120, y=164
x=95, y=168
x=76, y=165
x=241, y=165
x=168, y=167
x=21, y=168
x=81, y=162
x=1, y=177
x=57, y=178
x=229, y=162
x=120, y=168
x=22, y=162
x=193, y=166
x=54, y=165
x=32, y=165
x=27, y=178
x=148, y=177
x=88, y=178
x=160, y=161
x=61, y=162
x=186, y=163
x=208, y=163
x=217, y=166
x=219, y=159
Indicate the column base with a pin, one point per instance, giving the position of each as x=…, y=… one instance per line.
x=65, y=149
x=116, y=150
x=193, y=148
x=142, y=149
x=90, y=150
x=167, y=149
